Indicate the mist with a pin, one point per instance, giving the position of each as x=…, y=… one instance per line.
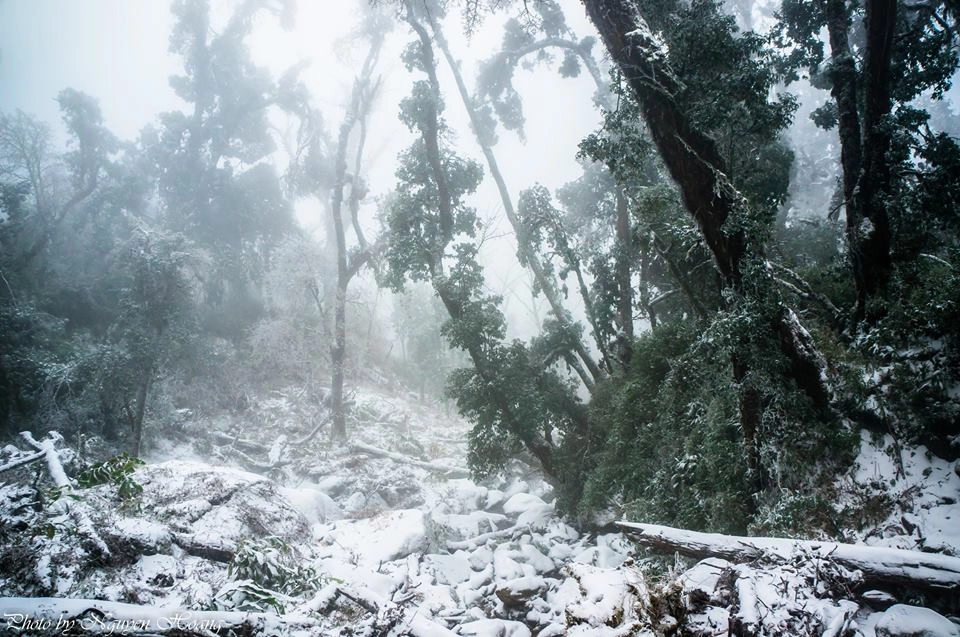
x=434, y=318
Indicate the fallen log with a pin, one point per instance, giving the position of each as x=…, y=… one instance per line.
x=76, y=509
x=61, y=616
x=259, y=467
x=933, y=571
x=310, y=436
x=23, y=460
x=474, y=542
x=240, y=443
x=214, y=551
x=446, y=471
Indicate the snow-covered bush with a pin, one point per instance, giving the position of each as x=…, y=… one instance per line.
x=265, y=575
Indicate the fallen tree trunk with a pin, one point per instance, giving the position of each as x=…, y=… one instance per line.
x=240, y=443
x=931, y=571
x=23, y=460
x=49, y=615
x=448, y=472
x=474, y=542
x=76, y=509
x=215, y=551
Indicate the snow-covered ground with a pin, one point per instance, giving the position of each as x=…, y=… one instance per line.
x=386, y=537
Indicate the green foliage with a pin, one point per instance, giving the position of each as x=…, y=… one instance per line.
x=911, y=357
x=729, y=81
x=664, y=437
x=266, y=575
x=117, y=471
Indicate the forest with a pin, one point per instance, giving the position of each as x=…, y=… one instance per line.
x=483, y=317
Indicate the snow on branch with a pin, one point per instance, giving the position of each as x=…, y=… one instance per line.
x=77, y=509
x=49, y=615
x=446, y=471
x=23, y=460
x=877, y=564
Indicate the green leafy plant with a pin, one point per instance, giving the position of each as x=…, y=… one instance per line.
x=118, y=471
x=274, y=566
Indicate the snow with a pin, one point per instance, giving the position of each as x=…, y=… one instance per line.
x=382, y=538
x=901, y=620
x=494, y=628
x=312, y=503
x=926, y=495
x=455, y=556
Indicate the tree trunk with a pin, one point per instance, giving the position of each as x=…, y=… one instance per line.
x=881, y=565
x=695, y=164
x=531, y=440
x=875, y=178
x=137, y=423
x=338, y=431
x=528, y=254
x=623, y=265
x=863, y=147
x=347, y=268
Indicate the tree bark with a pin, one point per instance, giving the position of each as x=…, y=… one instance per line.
x=624, y=258
x=863, y=146
x=137, y=423
x=347, y=268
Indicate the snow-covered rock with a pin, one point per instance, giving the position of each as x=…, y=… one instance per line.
x=382, y=538
x=223, y=504
x=494, y=628
x=313, y=504
x=901, y=620
x=517, y=592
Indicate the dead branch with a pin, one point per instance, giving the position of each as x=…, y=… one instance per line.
x=446, y=471
x=77, y=508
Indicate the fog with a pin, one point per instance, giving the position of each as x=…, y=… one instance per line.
x=436, y=317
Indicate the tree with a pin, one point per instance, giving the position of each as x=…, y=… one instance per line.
x=722, y=213
x=315, y=177
x=154, y=326
x=511, y=394
x=27, y=164
x=212, y=178
x=905, y=50
x=578, y=357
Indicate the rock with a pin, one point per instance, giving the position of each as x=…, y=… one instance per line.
x=137, y=536
x=494, y=628
x=355, y=503
x=507, y=568
x=218, y=502
x=375, y=504
x=703, y=577
x=314, y=505
x=449, y=569
x=540, y=562
x=520, y=502
x=901, y=620
x=454, y=527
x=529, y=510
x=880, y=600
x=481, y=558
x=517, y=592
x=382, y=538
